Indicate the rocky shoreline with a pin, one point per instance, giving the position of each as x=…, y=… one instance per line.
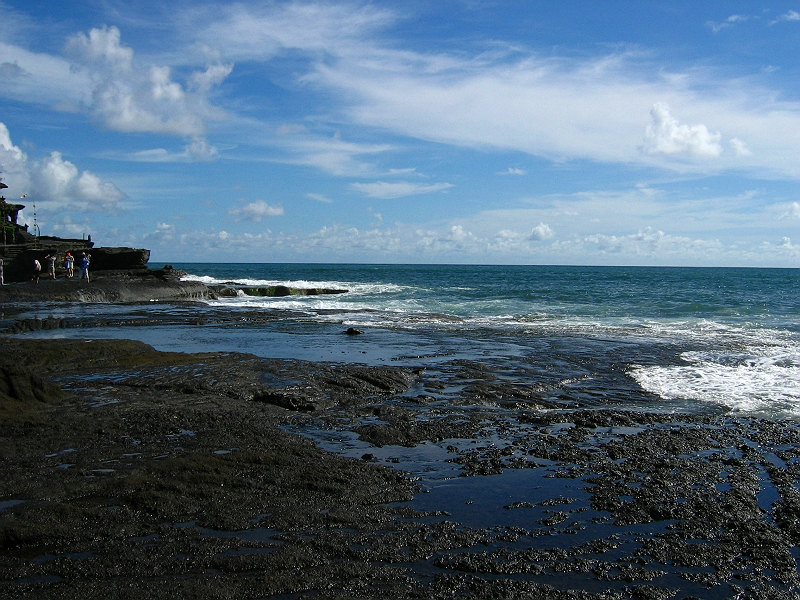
x=139, y=285
x=131, y=473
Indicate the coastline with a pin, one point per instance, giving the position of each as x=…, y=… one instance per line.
x=120, y=461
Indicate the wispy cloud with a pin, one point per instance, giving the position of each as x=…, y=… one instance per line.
x=331, y=154
x=789, y=16
x=716, y=27
x=319, y=197
x=384, y=190
x=512, y=171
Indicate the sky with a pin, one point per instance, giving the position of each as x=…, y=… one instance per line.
x=624, y=132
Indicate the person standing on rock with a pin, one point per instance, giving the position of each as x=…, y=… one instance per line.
x=83, y=263
x=51, y=265
x=2, y=281
x=69, y=264
x=37, y=268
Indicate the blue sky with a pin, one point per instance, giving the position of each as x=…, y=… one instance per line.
x=457, y=131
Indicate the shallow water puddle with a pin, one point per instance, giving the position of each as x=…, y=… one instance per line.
x=519, y=498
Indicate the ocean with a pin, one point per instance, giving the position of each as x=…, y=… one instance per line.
x=663, y=339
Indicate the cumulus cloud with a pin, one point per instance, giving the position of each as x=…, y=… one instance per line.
x=651, y=246
x=13, y=161
x=101, y=45
x=61, y=181
x=200, y=150
x=457, y=233
x=666, y=135
x=131, y=98
x=541, y=232
x=256, y=211
x=384, y=190
x=54, y=181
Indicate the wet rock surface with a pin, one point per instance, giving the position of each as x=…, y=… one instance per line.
x=137, y=285
x=128, y=472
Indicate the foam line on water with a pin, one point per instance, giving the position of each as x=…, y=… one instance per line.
x=757, y=379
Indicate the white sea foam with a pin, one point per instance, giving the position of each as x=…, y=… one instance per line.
x=353, y=288
x=757, y=379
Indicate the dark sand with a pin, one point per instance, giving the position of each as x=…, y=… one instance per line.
x=131, y=473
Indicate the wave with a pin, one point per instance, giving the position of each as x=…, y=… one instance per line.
x=757, y=379
x=353, y=288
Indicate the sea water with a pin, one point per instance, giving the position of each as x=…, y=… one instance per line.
x=658, y=338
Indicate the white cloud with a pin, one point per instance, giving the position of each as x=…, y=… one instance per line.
x=13, y=163
x=101, y=45
x=557, y=108
x=330, y=154
x=791, y=15
x=541, y=232
x=203, y=81
x=131, y=98
x=319, y=197
x=739, y=147
x=560, y=108
x=197, y=150
x=384, y=190
x=793, y=211
x=59, y=181
x=458, y=234
x=54, y=181
x=256, y=211
x=200, y=150
x=512, y=171
x=665, y=135
x=259, y=32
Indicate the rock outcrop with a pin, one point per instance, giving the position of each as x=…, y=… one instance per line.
x=18, y=259
x=140, y=284
x=272, y=291
x=135, y=285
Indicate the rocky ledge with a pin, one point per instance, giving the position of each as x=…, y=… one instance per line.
x=139, y=285
x=132, y=473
